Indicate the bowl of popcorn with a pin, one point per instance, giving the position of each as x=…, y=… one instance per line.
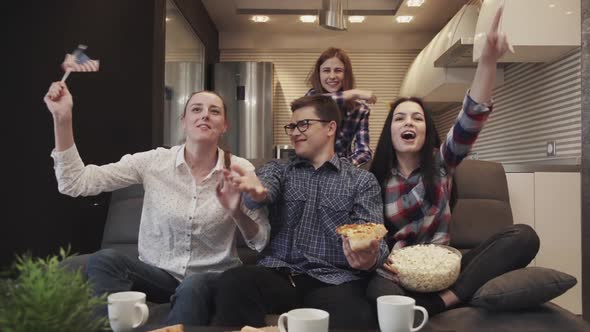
x=427, y=268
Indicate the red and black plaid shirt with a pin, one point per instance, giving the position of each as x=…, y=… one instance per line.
x=411, y=219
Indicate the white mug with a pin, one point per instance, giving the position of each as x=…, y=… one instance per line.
x=127, y=310
x=396, y=313
x=305, y=320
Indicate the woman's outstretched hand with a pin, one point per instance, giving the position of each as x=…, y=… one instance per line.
x=497, y=43
x=227, y=193
x=365, y=95
x=248, y=183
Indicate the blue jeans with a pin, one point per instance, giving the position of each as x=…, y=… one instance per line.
x=110, y=271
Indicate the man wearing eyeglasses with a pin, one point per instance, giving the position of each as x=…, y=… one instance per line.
x=306, y=263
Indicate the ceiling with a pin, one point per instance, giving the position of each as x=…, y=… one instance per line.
x=429, y=18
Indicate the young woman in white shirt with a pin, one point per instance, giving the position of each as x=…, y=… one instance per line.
x=190, y=211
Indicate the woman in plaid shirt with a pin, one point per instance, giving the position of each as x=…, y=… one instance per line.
x=416, y=178
x=332, y=75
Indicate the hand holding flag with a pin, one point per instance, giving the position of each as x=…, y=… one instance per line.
x=78, y=62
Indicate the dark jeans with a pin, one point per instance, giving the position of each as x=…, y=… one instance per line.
x=247, y=293
x=513, y=248
x=110, y=271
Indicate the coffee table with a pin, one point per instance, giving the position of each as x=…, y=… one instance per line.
x=228, y=329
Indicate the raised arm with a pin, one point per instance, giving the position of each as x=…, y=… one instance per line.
x=495, y=47
x=73, y=177
x=366, y=95
x=60, y=103
x=341, y=97
x=478, y=103
x=361, y=152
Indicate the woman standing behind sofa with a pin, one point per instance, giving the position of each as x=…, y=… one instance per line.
x=332, y=74
x=416, y=179
x=190, y=211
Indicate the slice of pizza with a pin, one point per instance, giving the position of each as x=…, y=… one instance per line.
x=261, y=329
x=172, y=328
x=360, y=235
x=248, y=328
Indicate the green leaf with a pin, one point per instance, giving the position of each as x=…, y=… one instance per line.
x=47, y=297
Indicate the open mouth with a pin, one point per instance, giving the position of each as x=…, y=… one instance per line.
x=408, y=135
x=203, y=126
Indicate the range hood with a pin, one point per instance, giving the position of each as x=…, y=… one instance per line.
x=445, y=85
x=539, y=30
x=332, y=15
x=315, y=7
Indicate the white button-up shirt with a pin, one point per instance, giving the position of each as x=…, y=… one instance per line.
x=184, y=229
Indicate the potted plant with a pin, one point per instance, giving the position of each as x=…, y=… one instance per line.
x=46, y=296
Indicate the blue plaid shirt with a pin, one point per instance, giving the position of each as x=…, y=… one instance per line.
x=307, y=205
x=354, y=126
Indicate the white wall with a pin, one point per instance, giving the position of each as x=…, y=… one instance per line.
x=537, y=103
x=551, y=204
x=348, y=41
x=376, y=70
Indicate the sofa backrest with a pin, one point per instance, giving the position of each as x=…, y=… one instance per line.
x=481, y=208
x=482, y=204
x=122, y=225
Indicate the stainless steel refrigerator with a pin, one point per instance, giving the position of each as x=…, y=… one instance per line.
x=247, y=89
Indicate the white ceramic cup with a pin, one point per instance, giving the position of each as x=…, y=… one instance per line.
x=127, y=310
x=304, y=320
x=396, y=313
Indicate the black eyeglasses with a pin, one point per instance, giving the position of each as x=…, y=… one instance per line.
x=301, y=125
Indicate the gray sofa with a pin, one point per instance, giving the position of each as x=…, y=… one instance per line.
x=481, y=207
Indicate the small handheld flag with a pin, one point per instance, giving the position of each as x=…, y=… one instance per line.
x=78, y=61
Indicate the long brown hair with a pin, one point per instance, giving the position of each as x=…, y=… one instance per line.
x=313, y=78
x=386, y=159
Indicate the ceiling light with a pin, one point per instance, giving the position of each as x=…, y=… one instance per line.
x=414, y=3
x=569, y=12
x=404, y=19
x=356, y=19
x=307, y=18
x=260, y=18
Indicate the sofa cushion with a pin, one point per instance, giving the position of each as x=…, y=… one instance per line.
x=544, y=318
x=522, y=288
